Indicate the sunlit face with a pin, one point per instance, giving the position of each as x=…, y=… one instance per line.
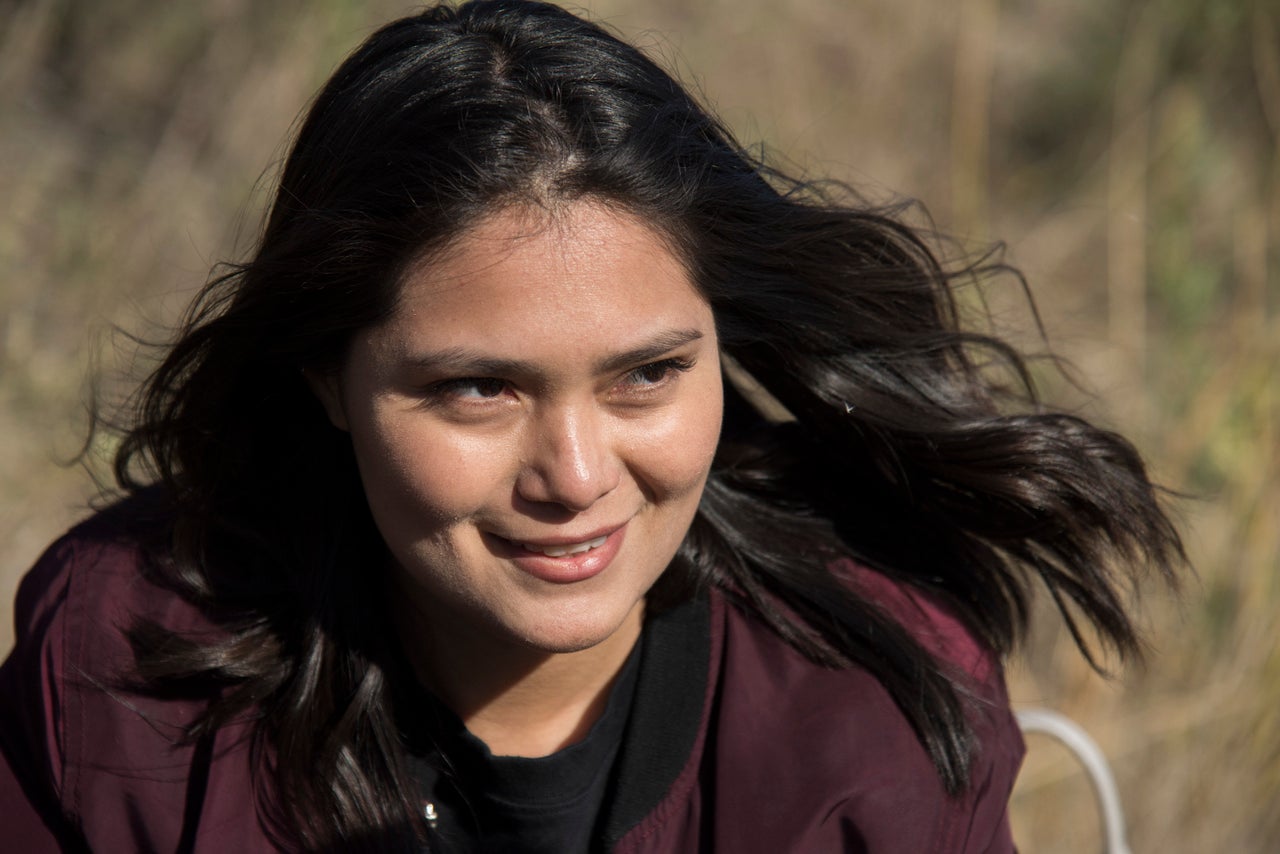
x=535, y=423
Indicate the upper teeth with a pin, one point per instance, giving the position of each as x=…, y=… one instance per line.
x=561, y=551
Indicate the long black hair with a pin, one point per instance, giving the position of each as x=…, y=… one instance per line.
x=906, y=442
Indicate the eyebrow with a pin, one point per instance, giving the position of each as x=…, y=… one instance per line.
x=463, y=360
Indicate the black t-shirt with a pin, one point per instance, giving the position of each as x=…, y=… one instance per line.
x=477, y=802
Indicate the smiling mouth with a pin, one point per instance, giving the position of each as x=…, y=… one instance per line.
x=564, y=550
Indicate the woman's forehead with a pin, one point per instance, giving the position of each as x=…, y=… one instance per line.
x=572, y=226
x=534, y=252
x=528, y=285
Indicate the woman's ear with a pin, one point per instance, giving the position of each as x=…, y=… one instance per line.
x=327, y=387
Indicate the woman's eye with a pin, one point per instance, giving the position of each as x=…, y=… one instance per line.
x=469, y=388
x=657, y=372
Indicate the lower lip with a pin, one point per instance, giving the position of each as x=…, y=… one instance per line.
x=569, y=568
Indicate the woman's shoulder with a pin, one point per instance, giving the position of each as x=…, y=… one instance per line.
x=93, y=581
x=78, y=745
x=754, y=652
x=931, y=621
x=851, y=754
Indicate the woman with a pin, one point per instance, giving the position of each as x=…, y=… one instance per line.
x=556, y=476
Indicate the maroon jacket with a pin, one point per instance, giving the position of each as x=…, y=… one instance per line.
x=735, y=743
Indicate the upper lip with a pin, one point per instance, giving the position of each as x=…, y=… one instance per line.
x=564, y=540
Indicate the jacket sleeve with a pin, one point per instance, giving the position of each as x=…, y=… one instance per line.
x=976, y=821
x=903, y=808
x=86, y=764
x=806, y=758
x=32, y=712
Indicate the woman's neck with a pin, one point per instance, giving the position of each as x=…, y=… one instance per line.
x=517, y=700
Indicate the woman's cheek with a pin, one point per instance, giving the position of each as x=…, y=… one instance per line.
x=452, y=475
x=675, y=453
x=413, y=473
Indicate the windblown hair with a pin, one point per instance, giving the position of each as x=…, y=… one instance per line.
x=911, y=445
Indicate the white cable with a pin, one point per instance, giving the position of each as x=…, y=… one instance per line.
x=1095, y=764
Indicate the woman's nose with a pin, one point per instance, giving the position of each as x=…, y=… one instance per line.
x=570, y=460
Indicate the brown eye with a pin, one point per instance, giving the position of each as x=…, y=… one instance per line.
x=656, y=372
x=470, y=388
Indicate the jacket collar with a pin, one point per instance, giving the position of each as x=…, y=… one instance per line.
x=668, y=716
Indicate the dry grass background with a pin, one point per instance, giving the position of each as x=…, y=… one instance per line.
x=1127, y=152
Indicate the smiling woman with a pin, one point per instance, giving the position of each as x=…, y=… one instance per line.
x=556, y=476
x=533, y=427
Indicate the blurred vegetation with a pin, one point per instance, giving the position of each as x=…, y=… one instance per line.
x=1128, y=153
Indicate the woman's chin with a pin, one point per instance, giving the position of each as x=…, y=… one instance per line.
x=568, y=633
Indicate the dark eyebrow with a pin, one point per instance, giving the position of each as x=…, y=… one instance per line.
x=464, y=361
x=655, y=348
